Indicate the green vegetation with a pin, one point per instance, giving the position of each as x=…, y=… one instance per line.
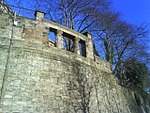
x=135, y=73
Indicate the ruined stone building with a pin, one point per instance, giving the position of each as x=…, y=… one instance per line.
x=43, y=75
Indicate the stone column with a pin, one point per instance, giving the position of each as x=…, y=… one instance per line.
x=59, y=39
x=89, y=46
x=76, y=45
x=39, y=15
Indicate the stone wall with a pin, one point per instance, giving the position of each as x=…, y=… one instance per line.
x=37, y=78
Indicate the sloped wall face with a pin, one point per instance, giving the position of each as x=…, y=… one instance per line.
x=36, y=78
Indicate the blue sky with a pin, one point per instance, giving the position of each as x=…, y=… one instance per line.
x=134, y=11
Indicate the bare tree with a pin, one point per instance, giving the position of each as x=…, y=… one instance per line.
x=106, y=32
x=79, y=14
x=120, y=41
x=75, y=14
x=126, y=46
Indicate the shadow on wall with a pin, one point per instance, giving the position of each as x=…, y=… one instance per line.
x=79, y=89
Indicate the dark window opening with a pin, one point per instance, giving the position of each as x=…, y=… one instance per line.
x=82, y=48
x=68, y=42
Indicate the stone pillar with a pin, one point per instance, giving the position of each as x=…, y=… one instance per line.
x=39, y=15
x=76, y=45
x=59, y=39
x=89, y=46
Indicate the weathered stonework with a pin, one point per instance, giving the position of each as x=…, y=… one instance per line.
x=38, y=78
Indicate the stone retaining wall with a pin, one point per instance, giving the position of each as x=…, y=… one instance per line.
x=37, y=78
